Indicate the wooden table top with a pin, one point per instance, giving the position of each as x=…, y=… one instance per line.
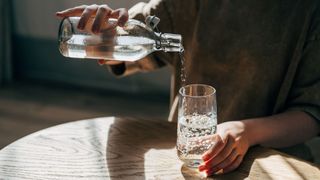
x=124, y=148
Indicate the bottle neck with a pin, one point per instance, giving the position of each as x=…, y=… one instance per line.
x=169, y=42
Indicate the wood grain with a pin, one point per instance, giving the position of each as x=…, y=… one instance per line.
x=126, y=148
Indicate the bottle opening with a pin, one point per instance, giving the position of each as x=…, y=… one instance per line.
x=171, y=42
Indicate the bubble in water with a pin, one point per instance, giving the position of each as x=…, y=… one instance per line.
x=193, y=131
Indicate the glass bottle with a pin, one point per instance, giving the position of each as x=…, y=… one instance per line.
x=132, y=42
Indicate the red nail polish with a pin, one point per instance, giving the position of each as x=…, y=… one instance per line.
x=101, y=62
x=201, y=168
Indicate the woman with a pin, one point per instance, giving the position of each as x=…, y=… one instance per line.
x=262, y=57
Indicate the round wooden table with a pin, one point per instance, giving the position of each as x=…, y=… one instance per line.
x=126, y=148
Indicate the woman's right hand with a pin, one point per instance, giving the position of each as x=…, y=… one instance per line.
x=101, y=14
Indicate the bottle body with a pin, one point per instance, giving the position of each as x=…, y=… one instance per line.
x=129, y=43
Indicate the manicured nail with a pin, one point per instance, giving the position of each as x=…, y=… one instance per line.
x=202, y=167
x=101, y=62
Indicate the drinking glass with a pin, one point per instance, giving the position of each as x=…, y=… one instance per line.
x=197, y=119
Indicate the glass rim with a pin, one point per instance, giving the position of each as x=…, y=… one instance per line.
x=193, y=96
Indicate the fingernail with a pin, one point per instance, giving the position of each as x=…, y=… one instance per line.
x=202, y=167
x=101, y=62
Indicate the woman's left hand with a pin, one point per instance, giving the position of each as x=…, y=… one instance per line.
x=231, y=143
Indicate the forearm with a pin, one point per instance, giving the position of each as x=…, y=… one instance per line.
x=281, y=130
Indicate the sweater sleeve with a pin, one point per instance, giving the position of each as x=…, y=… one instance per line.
x=305, y=91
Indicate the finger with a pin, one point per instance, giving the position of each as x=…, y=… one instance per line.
x=234, y=165
x=108, y=62
x=227, y=162
x=122, y=16
x=102, y=16
x=87, y=13
x=215, y=149
x=76, y=11
x=221, y=155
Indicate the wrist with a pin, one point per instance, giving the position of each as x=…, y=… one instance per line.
x=252, y=136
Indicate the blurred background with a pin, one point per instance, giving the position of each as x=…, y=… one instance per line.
x=40, y=88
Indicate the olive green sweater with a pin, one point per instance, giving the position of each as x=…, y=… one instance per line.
x=263, y=57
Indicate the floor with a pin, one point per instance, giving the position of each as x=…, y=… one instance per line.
x=29, y=107
x=26, y=107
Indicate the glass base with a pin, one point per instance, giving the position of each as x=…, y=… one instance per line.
x=192, y=173
x=193, y=163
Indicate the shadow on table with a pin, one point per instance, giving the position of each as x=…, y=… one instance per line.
x=259, y=163
x=193, y=174
x=129, y=140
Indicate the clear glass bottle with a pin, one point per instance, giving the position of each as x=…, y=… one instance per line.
x=129, y=43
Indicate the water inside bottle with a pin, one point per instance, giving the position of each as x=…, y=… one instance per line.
x=110, y=47
x=123, y=48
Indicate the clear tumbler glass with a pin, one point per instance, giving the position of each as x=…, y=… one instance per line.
x=197, y=119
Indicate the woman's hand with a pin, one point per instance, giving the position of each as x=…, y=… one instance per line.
x=101, y=14
x=231, y=144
